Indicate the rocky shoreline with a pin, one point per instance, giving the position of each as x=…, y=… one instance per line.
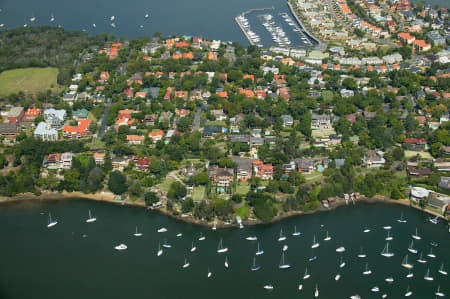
x=110, y=198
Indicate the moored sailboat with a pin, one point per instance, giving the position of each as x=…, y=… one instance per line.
x=411, y=248
x=137, y=234
x=416, y=235
x=91, y=219
x=296, y=233
x=327, y=237
x=427, y=276
x=259, y=251
x=281, y=238
x=316, y=292
x=406, y=264
x=386, y=252
x=367, y=271
x=441, y=270
x=315, y=243
x=220, y=248
x=50, y=221
x=255, y=267
x=283, y=265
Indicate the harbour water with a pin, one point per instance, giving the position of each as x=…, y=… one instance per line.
x=75, y=259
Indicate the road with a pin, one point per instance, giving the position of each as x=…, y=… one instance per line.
x=104, y=123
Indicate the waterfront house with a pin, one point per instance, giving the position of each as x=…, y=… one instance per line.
x=263, y=171
x=243, y=168
x=119, y=163
x=58, y=161
x=304, y=165
x=222, y=177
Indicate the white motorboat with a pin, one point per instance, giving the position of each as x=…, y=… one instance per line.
x=209, y=274
x=193, y=248
x=166, y=245
x=337, y=277
x=427, y=276
x=340, y=249
x=300, y=287
x=408, y=292
x=416, y=235
x=281, y=238
x=251, y=238
x=259, y=251
x=410, y=274
x=91, y=219
x=160, y=251
x=434, y=220
x=341, y=263
x=202, y=237
x=51, y=222
x=285, y=247
x=25, y=25
x=441, y=270
x=52, y=18
x=220, y=248
x=439, y=293
x=375, y=289
x=186, y=264
x=296, y=233
x=137, y=234
x=389, y=279
x=366, y=230
x=32, y=19
x=283, y=265
x=121, y=247
x=162, y=230
x=268, y=287
x=112, y=18
x=2, y=25
x=93, y=25
x=367, y=271
x=388, y=227
x=315, y=243
x=406, y=264
x=386, y=252
x=327, y=237
x=307, y=275
x=179, y=235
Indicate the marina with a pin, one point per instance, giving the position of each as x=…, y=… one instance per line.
x=268, y=27
x=232, y=255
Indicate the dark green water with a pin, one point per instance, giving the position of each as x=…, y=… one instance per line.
x=40, y=262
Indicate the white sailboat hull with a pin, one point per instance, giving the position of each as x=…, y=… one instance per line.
x=91, y=220
x=53, y=223
x=315, y=245
x=222, y=250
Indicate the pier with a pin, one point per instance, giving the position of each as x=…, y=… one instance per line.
x=320, y=44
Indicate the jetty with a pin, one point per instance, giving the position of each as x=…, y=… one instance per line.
x=320, y=45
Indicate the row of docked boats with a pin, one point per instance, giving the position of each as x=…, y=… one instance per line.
x=254, y=38
x=297, y=29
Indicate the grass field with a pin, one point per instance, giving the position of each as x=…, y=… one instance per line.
x=165, y=185
x=243, y=211
x=28, y=80
x=423, y=155
x=322, y=133
x=242, y=188
x=198, y=193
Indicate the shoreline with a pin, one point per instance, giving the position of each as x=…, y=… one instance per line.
x=110, y=198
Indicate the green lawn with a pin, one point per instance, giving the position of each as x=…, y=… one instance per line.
x=322, y=133
x=28, y=80
x=327, y=95
x=242, y=188
x=198, y=193
x=243, y=211
x=423, y=155
x=165, y=185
